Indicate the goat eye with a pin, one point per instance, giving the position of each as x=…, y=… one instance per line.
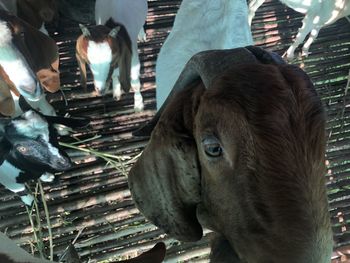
x=22, y=149
x=212, y=147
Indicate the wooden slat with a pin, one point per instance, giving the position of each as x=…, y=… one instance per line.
x=95, y=197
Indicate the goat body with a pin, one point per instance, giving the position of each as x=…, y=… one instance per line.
x=132, y=15
x=239, y=148
x=28, y=60
x=108, y=53
x=200, y=25
x=318, y=13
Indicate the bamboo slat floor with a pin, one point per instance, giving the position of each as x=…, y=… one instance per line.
x=93, y=196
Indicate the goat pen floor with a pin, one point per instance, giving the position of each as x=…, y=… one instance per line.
x=92, y=203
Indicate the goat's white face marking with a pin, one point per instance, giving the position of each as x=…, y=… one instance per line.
x=14, y=64
x=100, y=58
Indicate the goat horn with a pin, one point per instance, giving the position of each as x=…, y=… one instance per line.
x=85, y=30
x=205, y=65
x=266, y=57
x=114, y=32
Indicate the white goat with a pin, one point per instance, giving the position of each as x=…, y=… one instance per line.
x=200, y=25
x=132, y=15
x=318, y=13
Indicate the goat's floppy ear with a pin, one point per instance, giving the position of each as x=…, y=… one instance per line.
x=154, y=255
x=124, y=64
x=81, y=61
x=169, y=166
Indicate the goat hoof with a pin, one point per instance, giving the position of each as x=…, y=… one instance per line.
x=138, y=104
x=62, y=130
x=27, y=199
x=305, y=53
x=139, y=108
x=118, y=95
x=47, y=177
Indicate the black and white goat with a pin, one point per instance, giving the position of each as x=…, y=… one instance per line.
x=29, y=150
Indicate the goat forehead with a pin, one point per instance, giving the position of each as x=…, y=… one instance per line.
x=31, y=125
x=229, y=126
x=99, y=53
x=5, y=34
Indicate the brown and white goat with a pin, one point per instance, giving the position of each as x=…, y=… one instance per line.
x=34, y=12
x=318, y=13
x=11, y=253
x=113, y=55
x=107, y=50
x=240, y=148
x=29, y=60
x=132, y=15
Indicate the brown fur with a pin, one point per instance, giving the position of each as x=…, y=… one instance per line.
x=266, y=195
x=121, y=52
x=40, y=51
x=6, y=79
x=36, y=12
x=7, y=105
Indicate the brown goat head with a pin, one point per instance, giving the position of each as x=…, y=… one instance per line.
x=242, y=154
x=104, y=48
